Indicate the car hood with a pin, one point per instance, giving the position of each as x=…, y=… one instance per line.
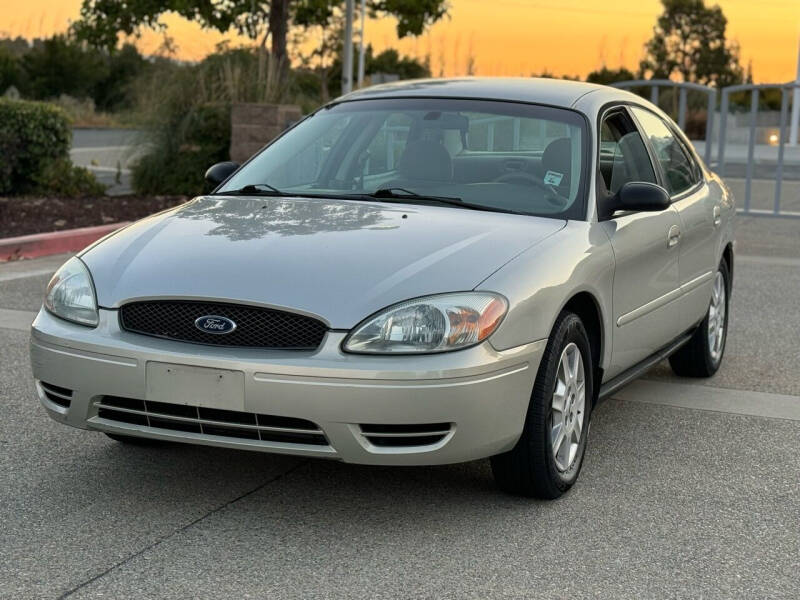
x=338, y=260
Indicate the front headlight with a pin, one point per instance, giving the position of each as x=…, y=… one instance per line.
x=430, y=324
x=70, y=294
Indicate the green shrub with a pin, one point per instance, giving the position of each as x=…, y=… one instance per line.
x=34, y=152
x=185, y=110
x=32, y=135
x=182, y=149
x=63, y=178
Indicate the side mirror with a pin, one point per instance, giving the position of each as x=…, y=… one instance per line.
x=639, y=196
x=220, y=172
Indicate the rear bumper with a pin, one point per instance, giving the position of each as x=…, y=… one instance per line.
x=481, y=395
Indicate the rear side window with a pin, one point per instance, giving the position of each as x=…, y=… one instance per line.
x=680, y=172
x=623, y=154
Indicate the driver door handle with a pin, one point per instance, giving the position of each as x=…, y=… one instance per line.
x=673, y=236
x=717, y=214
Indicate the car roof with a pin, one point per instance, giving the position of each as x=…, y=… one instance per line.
x=555, y=92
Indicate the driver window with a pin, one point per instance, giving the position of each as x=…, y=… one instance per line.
x=623, y=155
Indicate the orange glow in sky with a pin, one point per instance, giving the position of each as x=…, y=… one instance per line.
x=505, y=37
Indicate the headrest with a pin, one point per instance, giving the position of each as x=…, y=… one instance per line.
x=427, y=160
x=557, y=159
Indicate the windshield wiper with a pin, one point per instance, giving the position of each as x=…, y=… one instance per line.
x=391, y=194
x=400, y=194
x=254, y=189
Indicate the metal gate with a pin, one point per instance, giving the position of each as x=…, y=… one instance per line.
x=782, y=134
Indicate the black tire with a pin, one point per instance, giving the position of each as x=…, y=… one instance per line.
x=135, y=441
x=694, y=359
x=530, y=469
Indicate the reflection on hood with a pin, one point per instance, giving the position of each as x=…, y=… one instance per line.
x=239, y=219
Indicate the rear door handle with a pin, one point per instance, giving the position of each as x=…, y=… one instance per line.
x=673, y=236
x=717, y=213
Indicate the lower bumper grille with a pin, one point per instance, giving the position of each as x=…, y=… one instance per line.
x=210, y=421
x=405, y=436
x=57, y=394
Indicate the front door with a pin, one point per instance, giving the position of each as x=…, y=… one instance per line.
x=646, y=276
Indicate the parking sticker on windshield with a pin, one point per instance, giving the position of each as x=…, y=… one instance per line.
x=553, y=178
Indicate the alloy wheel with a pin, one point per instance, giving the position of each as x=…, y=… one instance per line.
x=569, y=404
x=716, y=318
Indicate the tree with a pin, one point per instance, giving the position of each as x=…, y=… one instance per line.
x=16, y=46
x=329, y=20
x=10, y=71
x=112, y=92
x=605, y=76
x=388, y=61
x=689, y=41
x=102, y=21
x=547, y=74
x=60, y=65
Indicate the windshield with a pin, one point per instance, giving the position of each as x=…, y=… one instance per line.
x=498, y=155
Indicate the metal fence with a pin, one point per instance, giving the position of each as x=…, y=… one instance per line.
x=767, y=172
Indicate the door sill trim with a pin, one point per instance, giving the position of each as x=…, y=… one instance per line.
x=613, y=385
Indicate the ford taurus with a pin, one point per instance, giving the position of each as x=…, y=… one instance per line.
x=420, y=273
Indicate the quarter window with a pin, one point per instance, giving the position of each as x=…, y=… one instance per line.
x=679, y=170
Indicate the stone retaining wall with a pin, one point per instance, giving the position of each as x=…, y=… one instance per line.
x=254, y=125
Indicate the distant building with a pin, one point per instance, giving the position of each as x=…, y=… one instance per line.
x=11, y=93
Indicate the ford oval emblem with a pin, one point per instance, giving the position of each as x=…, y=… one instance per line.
x=214, y=324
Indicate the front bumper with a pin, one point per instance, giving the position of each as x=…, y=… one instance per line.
x=480, y=394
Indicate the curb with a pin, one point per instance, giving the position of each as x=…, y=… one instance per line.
x=56, y=242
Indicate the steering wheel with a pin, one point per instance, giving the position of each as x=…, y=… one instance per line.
x=551, y=193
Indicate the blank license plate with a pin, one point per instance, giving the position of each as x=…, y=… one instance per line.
x=196, y=386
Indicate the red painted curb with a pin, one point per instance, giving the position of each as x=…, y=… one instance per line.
x=56, y=242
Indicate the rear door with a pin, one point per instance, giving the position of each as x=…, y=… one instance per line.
x=699, y=213
x=645, y=250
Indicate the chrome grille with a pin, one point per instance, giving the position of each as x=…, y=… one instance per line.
x=255, y=326
x=210, y=421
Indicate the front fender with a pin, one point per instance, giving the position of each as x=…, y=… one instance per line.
x=541, y=281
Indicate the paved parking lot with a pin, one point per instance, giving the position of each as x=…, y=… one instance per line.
x=109, y=154
x=690, y=489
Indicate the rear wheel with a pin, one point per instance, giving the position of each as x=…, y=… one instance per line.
x=548, y=456
x=702, y=355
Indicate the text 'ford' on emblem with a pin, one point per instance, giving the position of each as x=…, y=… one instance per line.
x=214, y=324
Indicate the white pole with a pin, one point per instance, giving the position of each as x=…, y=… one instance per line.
x=347, y=63
x=361, y=45
x=795, y=105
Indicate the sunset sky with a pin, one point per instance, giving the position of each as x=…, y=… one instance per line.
x=506, y=37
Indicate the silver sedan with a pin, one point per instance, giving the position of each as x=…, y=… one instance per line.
x=421, y=273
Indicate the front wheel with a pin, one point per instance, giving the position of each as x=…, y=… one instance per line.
x=548, y=456
x=702, y=355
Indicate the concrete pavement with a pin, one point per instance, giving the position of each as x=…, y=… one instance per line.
x=690, y=489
